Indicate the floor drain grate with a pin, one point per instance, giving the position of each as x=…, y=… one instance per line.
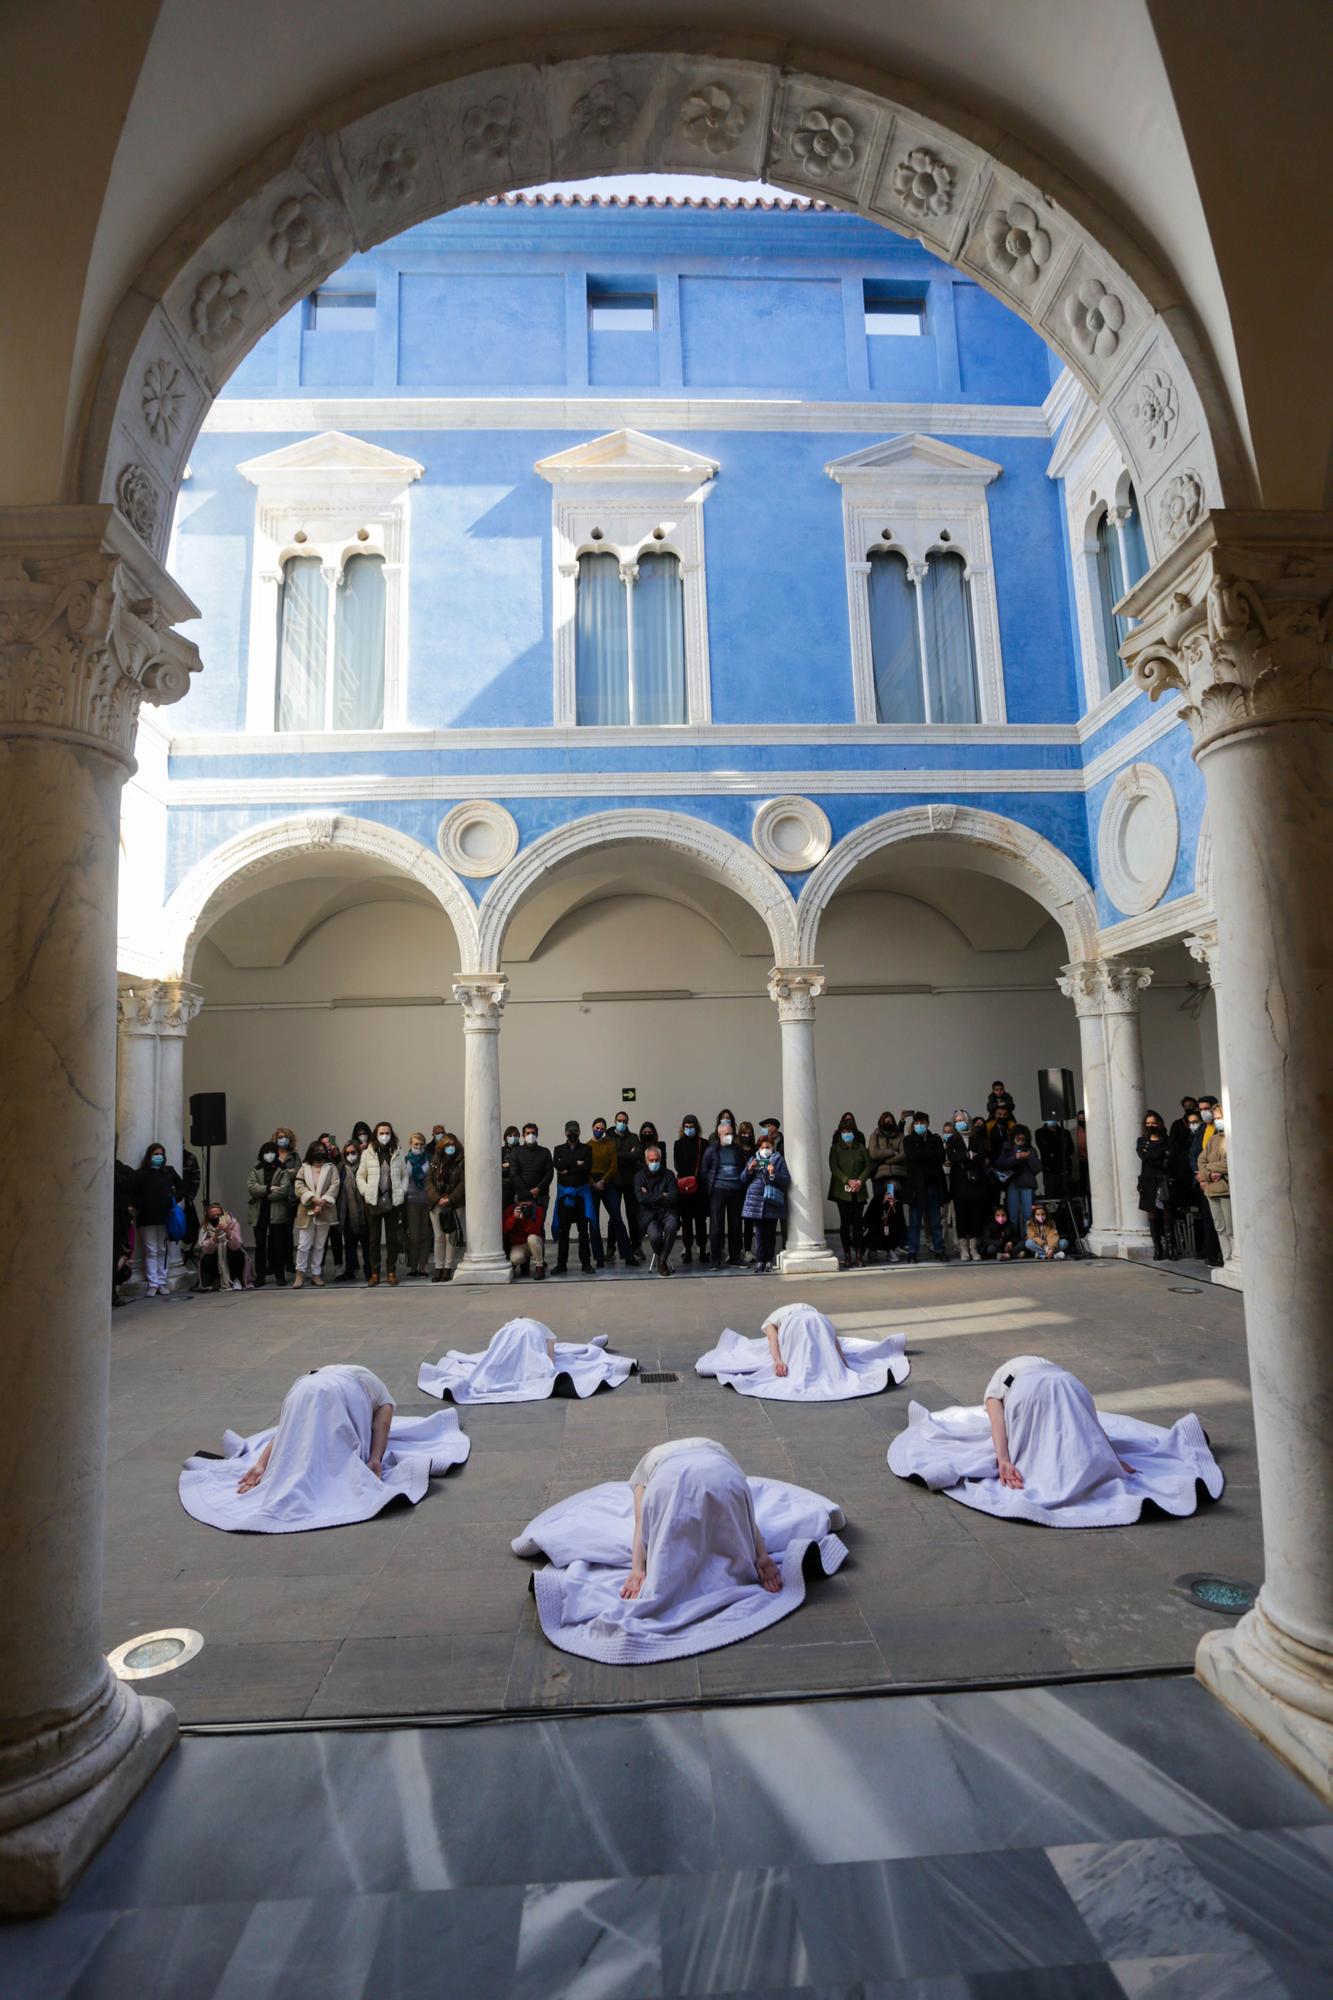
x=662, y=1375
x=1218, y=1593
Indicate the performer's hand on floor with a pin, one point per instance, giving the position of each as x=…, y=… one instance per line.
x=633, y=1583
x=780, y=1368
x=769, y=1574
x=1125, y=1465
x=377, y=1467
x=251, y=1480
x=1010, y=1474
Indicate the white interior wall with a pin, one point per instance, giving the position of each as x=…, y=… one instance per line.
x=319, y=1065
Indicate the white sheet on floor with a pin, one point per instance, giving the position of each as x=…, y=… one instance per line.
x=515, y=1368
x=816, y=1373
x=701, y=1590
x=318, y=1475
x=1068, y=1452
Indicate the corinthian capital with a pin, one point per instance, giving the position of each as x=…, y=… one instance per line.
x=482, y=998
x=157, y=1006
x=1104, y=985
x=1239, y=617
x=85, y=628
x=795, y=989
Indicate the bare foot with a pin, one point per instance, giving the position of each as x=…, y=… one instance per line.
x=633, y=1583
x=769, y=1574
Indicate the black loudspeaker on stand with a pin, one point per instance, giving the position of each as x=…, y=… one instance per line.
x=208, y=1128
x=1055, y=1087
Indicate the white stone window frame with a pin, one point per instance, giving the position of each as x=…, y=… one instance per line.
x=1096, y=479
x=629, y=495
x=331, y=497
x=932, y=496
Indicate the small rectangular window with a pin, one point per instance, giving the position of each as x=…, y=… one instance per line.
x=342, y=312
x=893, y=317
x=621, y=312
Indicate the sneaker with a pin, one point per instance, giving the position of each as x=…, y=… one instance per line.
x=1059, y=1257
x=373, y=1279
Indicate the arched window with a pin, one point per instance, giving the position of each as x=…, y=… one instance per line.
x=629, y=644
x=331, y=645
x=1110, y=589
x=358, y=654
x=303, y=644
x=1133, y=548
x=895, y=640
x=951, y=645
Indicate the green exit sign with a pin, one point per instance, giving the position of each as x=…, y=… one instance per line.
x=628, y=1096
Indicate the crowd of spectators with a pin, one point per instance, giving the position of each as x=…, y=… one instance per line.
x=981, y=1188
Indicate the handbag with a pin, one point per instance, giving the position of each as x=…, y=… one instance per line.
x=176, y=1223
x=687, y=1183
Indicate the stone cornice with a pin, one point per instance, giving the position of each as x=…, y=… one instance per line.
x=85, y=628
x=1239, y=617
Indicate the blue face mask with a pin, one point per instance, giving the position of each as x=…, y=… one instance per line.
x=963, y=1125
x=847, y=1137
x=1052, y=1122
x=157, y=1159
x=653, y=1166
x=691, y=1131
x=918, y=1128
x=451, y=1150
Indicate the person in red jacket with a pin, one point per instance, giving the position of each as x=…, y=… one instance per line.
x=524, y=1222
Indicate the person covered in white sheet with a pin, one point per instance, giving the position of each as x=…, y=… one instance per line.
x=772, y=1332
x=657, y=1464
x=799, y=1357
x=308, y=1388
x=999, y=1386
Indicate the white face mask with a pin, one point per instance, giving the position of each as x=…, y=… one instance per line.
x=724, y=1135
x=765, y=1152
x=383, y=1137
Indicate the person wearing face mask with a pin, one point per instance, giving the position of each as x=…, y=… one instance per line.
x=927, y=1186
x=574, y=1204
x=335, y=1248
x=687, y=1159
x=850, y=1172
x=606, y=1196
x=767, y=1179
x=1042, y=1239
x=271, y=1193
x=1155, y=1180
x=382, y=1178
x=157, y=1188
x=531, y=1168
x=223, y=1264
x=1015, y=1169
x=1208, y=1112
x=417, y=1205
x=883, y=1227
x=284, y=1138
x=658, y=1198
x=999, y=1238
x=745, y=1139
x=448, y=1197
x=351, y=1215
x=1216, y=1183
x=361, y=1135
x=316, y=1205
x=967, y=1156
x=629, y=1158
x=724, y=1183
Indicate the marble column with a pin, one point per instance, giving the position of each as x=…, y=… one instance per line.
x=482, y=998
x=1203, y=945
x=154, y=1016
x=1238, y=616
x=795, y=989
x=1106, y=993
x=85, y=636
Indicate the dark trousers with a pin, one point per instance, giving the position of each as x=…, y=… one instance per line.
x=724, y=1219
x=633, y=1220
x=573, y=1212
x=660, y=1233
x=272, y=1250
x=617, y=1236
x=209, y=1277
x=694, y=1222
x=969, y=1217
x=765, y=1238
x=355, y=1252
x=384, y=1224
x=928, y=1206
x=851, y=1227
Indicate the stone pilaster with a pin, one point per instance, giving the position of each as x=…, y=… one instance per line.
x=1238, y=617
x=1106, y=994
x=1204, y=948
x=154, y=1016
x=482, y=998
x=794, y=989
x=85, y=637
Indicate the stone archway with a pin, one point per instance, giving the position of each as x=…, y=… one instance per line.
x=1002, y=847
x=717, y=852
x=416, y=144
x=229, y=872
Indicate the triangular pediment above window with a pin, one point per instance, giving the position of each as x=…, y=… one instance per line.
x=912, y=459
x=627, y=455
x=332, y=458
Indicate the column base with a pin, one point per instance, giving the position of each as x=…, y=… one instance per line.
x=806, y=1260
x=1133, y=1243
x=488, y=1268
x=1279, y=1688
x=41, y=1859
x=1228, y=1274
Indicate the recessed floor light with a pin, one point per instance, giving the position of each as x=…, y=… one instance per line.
x=155, y=1653
x=1227, y=1594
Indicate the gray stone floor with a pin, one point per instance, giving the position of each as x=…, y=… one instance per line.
x=425, y=1611
x=1106, y=1841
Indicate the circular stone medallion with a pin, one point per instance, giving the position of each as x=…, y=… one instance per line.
x=792, y=834
x=1138, y=838
x=478, y=838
